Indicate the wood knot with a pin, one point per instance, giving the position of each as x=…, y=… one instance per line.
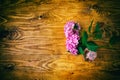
x=9, y=67
x=13, y=33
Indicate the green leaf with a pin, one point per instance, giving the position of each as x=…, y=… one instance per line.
x=92, y=46
x=97, y=32
x=80, y=50
x=84, y=38
x=97, y=27
x=98, y=35
x=90, y=26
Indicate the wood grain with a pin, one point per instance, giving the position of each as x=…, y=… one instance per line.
x=32, y=41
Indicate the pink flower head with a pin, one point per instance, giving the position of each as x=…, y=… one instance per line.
x=91, y=55
x=73, y=39
x=72, y=48
x=71, y=30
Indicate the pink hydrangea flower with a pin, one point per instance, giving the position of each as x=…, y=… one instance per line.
x=71, y=30
x=73, y=39
x=91, y=55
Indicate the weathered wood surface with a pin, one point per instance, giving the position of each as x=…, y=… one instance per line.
x=32, y=41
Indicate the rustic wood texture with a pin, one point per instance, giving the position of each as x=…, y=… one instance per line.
x=32, y=41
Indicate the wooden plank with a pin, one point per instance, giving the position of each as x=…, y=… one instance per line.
x=32, y=44
x=105, y=60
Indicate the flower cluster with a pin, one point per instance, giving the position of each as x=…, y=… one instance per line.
x=71, y=30
x=78, y=42
x=90, y=55
x=75, y=43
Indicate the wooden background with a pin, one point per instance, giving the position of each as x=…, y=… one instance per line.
x=32, y=41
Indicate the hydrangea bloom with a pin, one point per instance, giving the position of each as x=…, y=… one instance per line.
x=91, y=55
x=71, y=30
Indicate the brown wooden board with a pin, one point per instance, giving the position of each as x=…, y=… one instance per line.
x=32, y=40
